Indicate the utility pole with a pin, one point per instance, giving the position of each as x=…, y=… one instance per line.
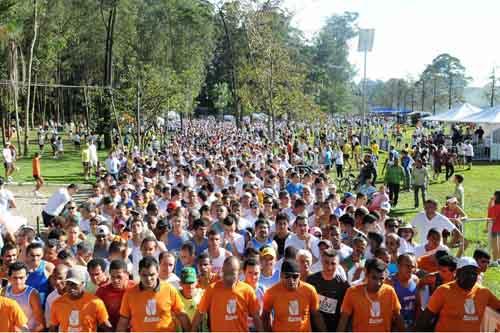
x=365, y=45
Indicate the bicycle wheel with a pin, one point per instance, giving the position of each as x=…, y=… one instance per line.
x=345, y=185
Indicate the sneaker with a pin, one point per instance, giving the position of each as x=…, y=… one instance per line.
x=38, y=194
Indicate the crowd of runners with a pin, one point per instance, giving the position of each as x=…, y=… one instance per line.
x=221, y=229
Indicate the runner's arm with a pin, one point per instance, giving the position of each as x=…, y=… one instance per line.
x=184, y=320
x=343, y=321
x=105, y=327
x=318, y=322
x=259, y=327
x=266, y=321
x=36, y=306
x=123, y=324
x=195, y=324
x=425, y=321
x=398, y=323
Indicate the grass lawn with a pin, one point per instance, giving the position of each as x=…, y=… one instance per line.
x=480, y=183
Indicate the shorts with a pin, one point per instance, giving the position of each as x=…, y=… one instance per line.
x=36, y=177
x=468, y=159
x=86, y=165
x=7, y=165
x=346, y=156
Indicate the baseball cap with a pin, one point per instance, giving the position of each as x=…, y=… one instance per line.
x=172, y=205
x=76, y=275
x=162, y=224
x=452, y=200
x=315, y=230
x=290, y=266
x=386, y=206
x=348, y=195
x=102, y=230
x=268, y=251
x=467, y=261
x=188, y=275
x=325, y=242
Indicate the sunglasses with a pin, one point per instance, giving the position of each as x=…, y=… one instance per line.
x=72, y=207
x=293, y=276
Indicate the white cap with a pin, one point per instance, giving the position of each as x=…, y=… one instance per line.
x=466, y=261
x=102, y=230
x=386, y=206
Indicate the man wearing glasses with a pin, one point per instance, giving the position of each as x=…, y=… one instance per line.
x=294, y=302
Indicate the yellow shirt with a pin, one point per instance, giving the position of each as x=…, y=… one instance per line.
x=375, y=149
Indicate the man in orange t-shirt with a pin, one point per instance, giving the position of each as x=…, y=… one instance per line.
x=373, y=305
x=229, y=302
x=37, y=173
x=13, y=317
x=151, y=306
x=78, y=310
x=295, y=303
x=460, y=304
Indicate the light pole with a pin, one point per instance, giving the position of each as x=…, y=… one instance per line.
x=365, y=45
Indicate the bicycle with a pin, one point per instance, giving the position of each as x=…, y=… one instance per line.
x=349, y=183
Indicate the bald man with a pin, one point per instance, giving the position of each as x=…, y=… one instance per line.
x=58, y=281
x=229, y=302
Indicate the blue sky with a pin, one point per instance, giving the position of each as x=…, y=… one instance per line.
x=410, y=33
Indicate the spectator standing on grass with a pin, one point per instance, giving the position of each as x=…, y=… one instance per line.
x=459, y=190
x=8, y=162
x=468, y=153
x=393, y=178
x=86, y=161
x=494, y=225
x=420, y=181
x=37, y=174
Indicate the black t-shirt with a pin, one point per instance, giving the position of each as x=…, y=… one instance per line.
x=281, y=244
x=331, y=294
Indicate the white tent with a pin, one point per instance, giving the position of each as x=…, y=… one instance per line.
x=488, y=116
x=455, y=114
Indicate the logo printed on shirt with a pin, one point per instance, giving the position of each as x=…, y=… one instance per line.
x=231, y=310
x=469, y=306
x=151, y=307
x=375, y=309
x=74, y=318
x=293, y=311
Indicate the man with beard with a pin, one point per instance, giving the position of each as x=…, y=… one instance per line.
x=460, y=304
x=331, y=287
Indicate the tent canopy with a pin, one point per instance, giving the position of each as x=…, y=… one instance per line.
x=487, y=116
x=456, y=114
x=388, y=111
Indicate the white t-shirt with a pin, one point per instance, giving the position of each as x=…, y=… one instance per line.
x=5, y=197
x=48, y=304
x=57, y=201
x=298, y=243
x=7, y=155
x=239, y=242
x=438, y=222
x=218, y=262
x=420, y=250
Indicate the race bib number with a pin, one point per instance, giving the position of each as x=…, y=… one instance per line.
x=327, y=305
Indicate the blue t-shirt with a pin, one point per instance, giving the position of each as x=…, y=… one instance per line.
x=268, y=282
x=175, y=242
x=292, y=188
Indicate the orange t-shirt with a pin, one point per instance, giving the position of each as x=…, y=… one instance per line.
x=229, y=308
x=13, y=317
x=292, y=309
x=150, y=310
x=374, y=314
x=428, y=263
x=461, y=310
x=81, y=315
x=35, y=166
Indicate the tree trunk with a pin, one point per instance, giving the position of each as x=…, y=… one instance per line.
x=233, y=71
x=33, y=104
x=30, y=63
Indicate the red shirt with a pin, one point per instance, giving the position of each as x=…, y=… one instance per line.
x=112, y=298
x=494, y=214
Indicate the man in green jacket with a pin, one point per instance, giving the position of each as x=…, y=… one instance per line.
x=394, y=175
